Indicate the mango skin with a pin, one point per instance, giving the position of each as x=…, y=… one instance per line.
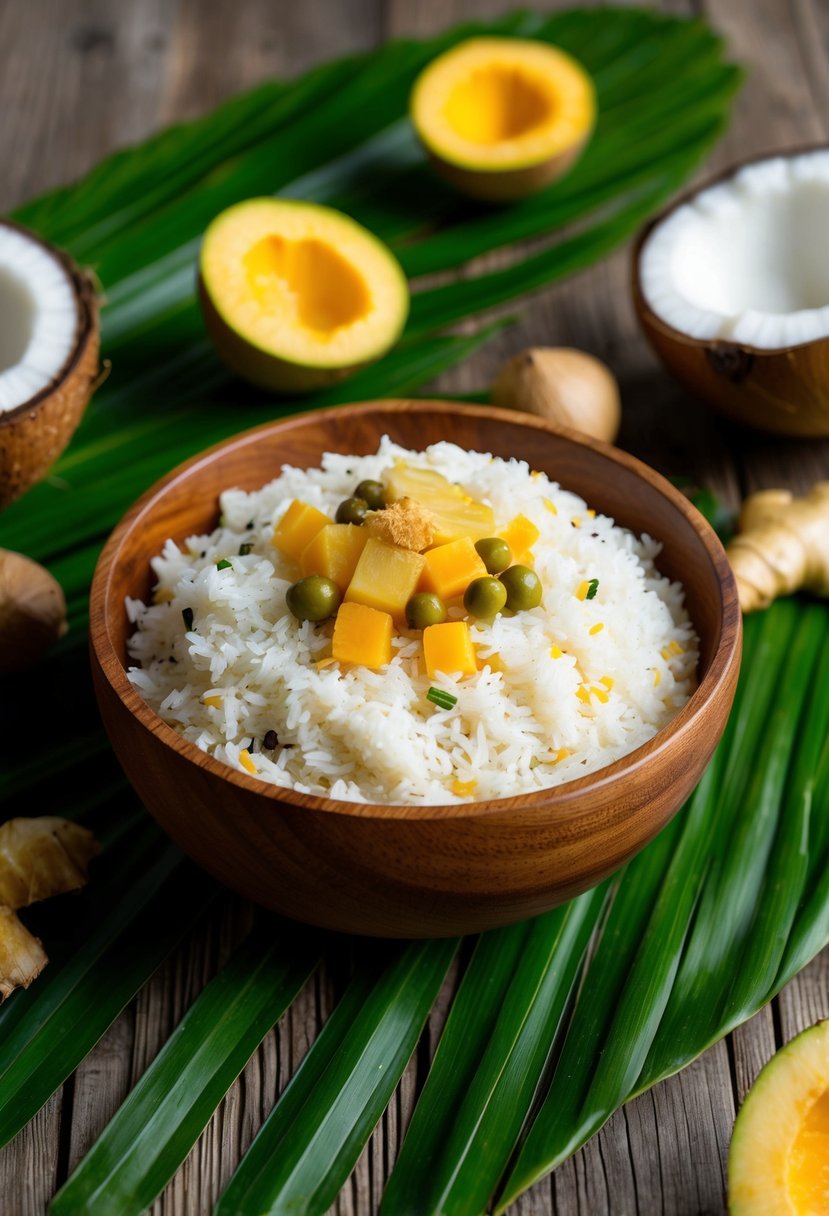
x=506, y=185
x=265, y=370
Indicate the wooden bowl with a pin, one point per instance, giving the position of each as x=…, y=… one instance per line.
x=398, y=871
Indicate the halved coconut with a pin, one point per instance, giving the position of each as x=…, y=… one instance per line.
x=296, y=295
x=503, y=117
x=48, y=356
x=731, y=285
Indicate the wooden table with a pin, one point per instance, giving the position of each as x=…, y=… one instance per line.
x=81, y=77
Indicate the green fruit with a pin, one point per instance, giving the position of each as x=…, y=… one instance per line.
x=494, y=553
x=315, y=598
x=523, y=588
x=425, y=609
x=485, y=597
x=351, y=511
x=373, y=493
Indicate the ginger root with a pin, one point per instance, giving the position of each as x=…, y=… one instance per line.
x=22, y=957
x=39, y=858
x=782, y=546
x=405, y=523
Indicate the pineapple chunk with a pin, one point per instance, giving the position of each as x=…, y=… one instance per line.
x=452, y=521
x=334, y=552
x=449, y=569
x=448, y=648
x=297, y=528
x=385, y=577
x=405, y=481
x=362, y=635
x=454, y=513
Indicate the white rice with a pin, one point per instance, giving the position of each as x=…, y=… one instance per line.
x=372, y=736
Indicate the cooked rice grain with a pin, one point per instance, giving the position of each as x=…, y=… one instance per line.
x=569, y=687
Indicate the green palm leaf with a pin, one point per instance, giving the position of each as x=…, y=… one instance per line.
x=340, y=135
x=151, y=1134
x=630, y=1030
x=132, y=920
x=311, y=1141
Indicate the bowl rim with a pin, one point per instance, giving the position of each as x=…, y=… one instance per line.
x=568, y=795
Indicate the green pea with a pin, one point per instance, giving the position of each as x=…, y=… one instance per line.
x=314, y=598
x=373, y=493
x=425, y=609
x=494, y=553
x=485, y=597
x=523, y=588
x=351, y=511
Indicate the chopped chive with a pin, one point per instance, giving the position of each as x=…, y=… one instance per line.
x=592, y=588
x=443, y=700
x=224, y=564
x=187, y=616
x=245, y=549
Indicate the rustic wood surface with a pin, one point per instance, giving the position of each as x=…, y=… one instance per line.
x=81, y=77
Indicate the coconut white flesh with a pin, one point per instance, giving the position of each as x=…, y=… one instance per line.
x=747, y=261
x=38, y=317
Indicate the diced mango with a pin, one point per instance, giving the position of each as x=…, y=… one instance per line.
x=334, y=552
x=520, y=534
x=455, y=514
x=449, y=569
x=297, y=528
x=448, y=648
x=362, y=635
x=385, y=577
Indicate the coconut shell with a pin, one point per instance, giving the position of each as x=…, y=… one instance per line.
x=785, y=390
x=34, y=434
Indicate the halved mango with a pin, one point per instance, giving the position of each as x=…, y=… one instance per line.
x=778, y=1163
x=503, y=117
x=296, y=295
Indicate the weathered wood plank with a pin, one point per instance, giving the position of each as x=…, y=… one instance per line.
x=155, y=62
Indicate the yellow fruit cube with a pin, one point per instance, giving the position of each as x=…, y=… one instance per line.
x=362, y=635
x=449, y=569
x=448, y=648
x=334, y=552
x=297, y=528
x=520, y=534
x=385, y=577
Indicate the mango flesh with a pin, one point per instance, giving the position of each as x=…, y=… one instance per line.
x=779, y=1158
x=503, y=117
x=296, y=295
